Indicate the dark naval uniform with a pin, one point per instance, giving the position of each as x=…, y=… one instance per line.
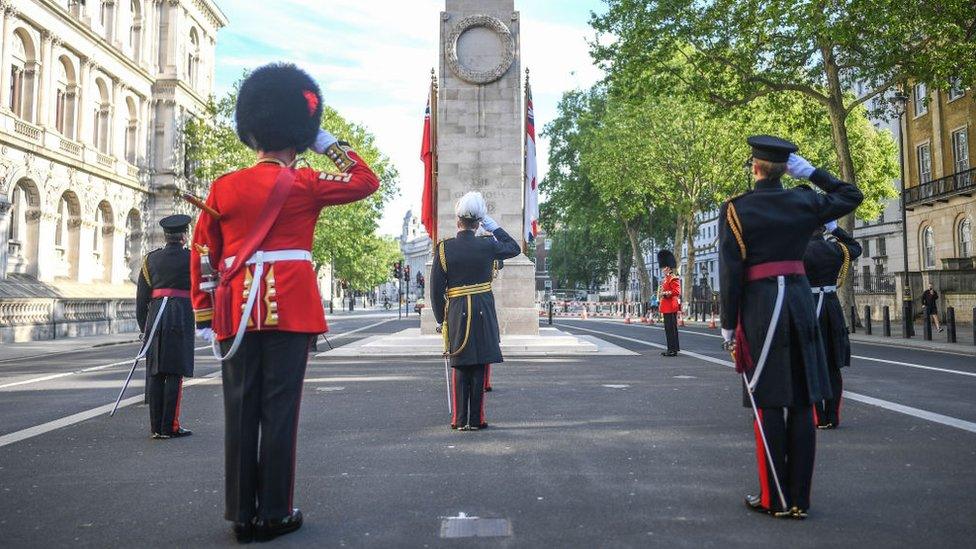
x=166, y=275
x=465, y=307
x=824, y=261
x=763, y=235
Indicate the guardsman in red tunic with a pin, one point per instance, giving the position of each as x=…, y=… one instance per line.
x=254, y=287
x=670, y=295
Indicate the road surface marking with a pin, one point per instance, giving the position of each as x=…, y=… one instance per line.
x=615, y=386
x=887, y=405
x=350, y=379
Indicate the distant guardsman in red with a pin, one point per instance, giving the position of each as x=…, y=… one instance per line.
x=255, y=291
x=669, y=293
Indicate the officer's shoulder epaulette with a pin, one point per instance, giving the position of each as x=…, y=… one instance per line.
x=443, y=240
x=733, y=198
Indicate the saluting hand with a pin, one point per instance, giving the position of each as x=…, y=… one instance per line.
x=323, y=141
x=831, y=226
x=799, y=167
x=489, y=224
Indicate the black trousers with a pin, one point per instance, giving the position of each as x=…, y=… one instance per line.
x=262, y=395
x=828, y=411
x=165, y=392
x=671, y=331
x=468, y=388
x=792, y=439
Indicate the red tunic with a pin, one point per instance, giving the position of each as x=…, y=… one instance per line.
x=670, y=294
x=289, y=298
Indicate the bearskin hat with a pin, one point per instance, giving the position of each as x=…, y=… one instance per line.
x=279, y=106
x=666, y=259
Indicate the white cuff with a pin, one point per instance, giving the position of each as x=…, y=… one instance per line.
x=489, y=224
x=728, y=335
x=323, y=141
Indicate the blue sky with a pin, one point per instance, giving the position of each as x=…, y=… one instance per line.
x=372, y=59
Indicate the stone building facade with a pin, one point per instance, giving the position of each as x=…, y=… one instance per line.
x=417, y=252
x=93, y=99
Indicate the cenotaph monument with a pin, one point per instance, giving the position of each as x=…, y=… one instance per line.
x=480, y=140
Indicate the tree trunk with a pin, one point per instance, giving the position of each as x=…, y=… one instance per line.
x=842, y=147
x=689, y=277
x=638, y=258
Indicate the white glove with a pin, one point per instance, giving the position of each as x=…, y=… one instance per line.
x=489, y=224
x=205, y=334
x=728, y=335
x=439, y=328
x=323, y=141
x=799, y=167
x=831, y=226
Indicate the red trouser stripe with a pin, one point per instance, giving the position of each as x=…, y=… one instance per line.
x=840, y=400
x=176, y=415
x=764, y=494
x=487, y=375
x=816, y=420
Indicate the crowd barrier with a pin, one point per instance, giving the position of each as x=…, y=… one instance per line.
x=628, y=311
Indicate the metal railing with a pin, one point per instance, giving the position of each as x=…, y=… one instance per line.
x=878, y=283
x=942, y=188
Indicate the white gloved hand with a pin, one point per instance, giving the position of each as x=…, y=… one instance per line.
x=728, y=335
x=489, y=224
x=831, y=226
x=439, y=328
x=323, y=141
x=799, y=167
x=206, y=334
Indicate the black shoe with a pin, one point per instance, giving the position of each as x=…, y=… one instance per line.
x=798, y=514
x=483, y=426
x=473, y=428
x=265, y=530
x=454, y=427
x=755, y=503
x=159, y=436
x=669, y=353
x=181, y=432
x=825, y=426
x=488, y=389
x=243, y=531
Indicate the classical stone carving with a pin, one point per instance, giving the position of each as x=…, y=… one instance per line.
x=506, y=55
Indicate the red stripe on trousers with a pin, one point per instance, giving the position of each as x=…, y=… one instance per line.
x=840, y=401
x=816, y=420
x=176, y=416
x=487, y=375
x=764, y=495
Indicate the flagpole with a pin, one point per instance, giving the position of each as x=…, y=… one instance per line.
x=525, y=152
x=433, y=151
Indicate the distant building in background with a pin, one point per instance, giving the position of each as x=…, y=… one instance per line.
x=93, y=99
x=543, y=281
x=417, y=249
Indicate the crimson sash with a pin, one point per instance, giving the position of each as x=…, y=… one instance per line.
x=223, y=296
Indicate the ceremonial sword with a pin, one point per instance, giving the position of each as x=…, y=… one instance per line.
x=141, y=355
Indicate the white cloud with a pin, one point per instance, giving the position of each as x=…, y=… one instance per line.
x=373, y=61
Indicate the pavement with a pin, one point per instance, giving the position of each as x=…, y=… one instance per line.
x=630, y=451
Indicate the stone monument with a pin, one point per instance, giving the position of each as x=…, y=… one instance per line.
x=480, y=139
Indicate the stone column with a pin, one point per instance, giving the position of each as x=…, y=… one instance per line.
x=47, y=260
x=42, y=116
x=938, y=162
x=5, y=221
x=480, y=139
x=114, y=149
x=8, y=12
x=85, y=89
x=86, y=261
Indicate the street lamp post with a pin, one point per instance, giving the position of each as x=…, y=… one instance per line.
x=900, y=101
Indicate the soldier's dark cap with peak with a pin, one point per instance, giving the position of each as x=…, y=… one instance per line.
x=771, y=148
x=174, y=224
x=666, y=259
x=279, y=106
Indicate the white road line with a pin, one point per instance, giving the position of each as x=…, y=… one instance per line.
x=357, y=330
x=30, y=432
x=887, y=405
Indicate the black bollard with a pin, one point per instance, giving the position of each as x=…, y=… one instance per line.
x=974, y=325
x=951, y=321
x=853, y=320
x=867, y=319
x=908, y=323
x=886, y=321
x=927, y=327
x=550, y=313
x=330, y=306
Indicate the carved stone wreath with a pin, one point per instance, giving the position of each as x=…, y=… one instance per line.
x=486, y=76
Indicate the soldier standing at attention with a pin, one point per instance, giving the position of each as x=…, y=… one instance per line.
x=769, y=319
x=670, y=305
x=826, y=262
x=464, y=306
x=165, y=278
x=266, y=309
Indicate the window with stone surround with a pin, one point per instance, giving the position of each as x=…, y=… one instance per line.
x=193, y=58
x=928, y=248
x=22, y=63
x=960, y=150
x=135, y=29
x=924, y=157
x=21, y=237
x=964, y=237
x=956, y=88
x=919, y=97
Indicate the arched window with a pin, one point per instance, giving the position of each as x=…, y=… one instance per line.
x=66, y=235
x=21, y=235
x=22, y=69
x=928, y=248
x=964, y=235
x=193, y=57
x=102, y=108
x=65, y=97
x=131, y=130
x=135, y=29
x=106, y=16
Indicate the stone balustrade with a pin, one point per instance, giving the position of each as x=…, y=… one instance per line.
x=44, y=318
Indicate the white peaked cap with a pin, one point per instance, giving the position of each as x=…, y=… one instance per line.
x=472, y=206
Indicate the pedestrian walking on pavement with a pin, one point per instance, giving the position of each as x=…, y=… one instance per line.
x=930, y=300
x=464, y=306
x=826, y=262
x=669, y=293
x=163, y=301
x=266, y=309
x=768, y=318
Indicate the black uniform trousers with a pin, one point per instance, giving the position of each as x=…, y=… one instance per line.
x=671, y=331
x=828, y=411
x=262, y=395
x=791, y=435
x=468, y=388
x=165, y=392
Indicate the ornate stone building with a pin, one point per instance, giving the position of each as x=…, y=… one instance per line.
x=93, y=98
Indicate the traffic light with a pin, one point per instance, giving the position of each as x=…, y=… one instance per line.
x=406, y=273
x=396, y=270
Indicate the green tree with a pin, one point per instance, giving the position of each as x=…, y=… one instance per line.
x=345, y=236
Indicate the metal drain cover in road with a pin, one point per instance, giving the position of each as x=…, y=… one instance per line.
x=463, y=526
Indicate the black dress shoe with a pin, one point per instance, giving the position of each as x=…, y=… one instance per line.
x=181, y=432
x=243, y=531
x=488, y=389
x=755, y=503
x=265, y=530
x=483, y=426
x=464, y=428
x=798, y=514
x=669, y=353
x=454, y=426
x=159, y=436
x=826, y=426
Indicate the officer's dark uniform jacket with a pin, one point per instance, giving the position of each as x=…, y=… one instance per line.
x=776, y=224
x=171, y=351
x=823, y=261
x=466, y=265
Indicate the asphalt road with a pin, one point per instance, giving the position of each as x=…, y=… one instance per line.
x=611, y=452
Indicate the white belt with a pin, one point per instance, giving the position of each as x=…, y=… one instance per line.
x=821, y=290
x=273, y=256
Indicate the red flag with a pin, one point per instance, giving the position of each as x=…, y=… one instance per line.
x=427, y=212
